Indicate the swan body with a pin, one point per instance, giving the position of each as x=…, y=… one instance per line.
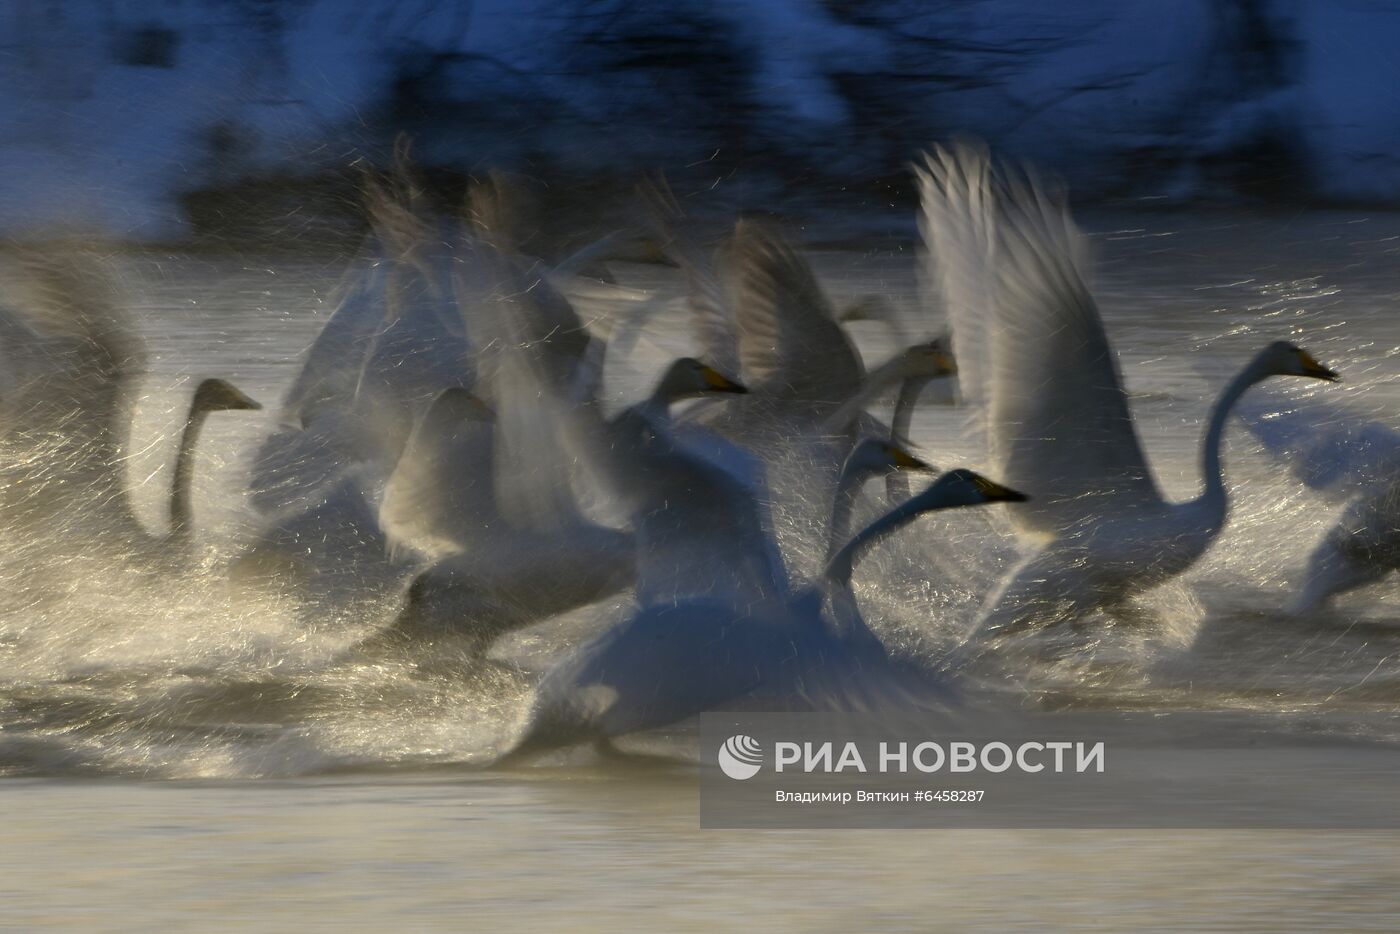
x=1344, y=457
x=1036, y=363
x=511, y=575
x=696, y=502
x=440, y=498
x=675, y=659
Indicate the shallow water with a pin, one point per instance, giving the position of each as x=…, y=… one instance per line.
x=183, y=751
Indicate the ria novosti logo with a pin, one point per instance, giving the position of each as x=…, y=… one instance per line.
x=740, y=757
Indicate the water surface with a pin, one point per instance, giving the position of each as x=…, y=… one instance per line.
x=187, y=753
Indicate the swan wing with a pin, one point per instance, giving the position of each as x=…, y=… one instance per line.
x=330, y=366
x=544, y=371
x=790, y=343
x=74, y=360
x=441, y=497
x=665, y=664
x=1046, y=380
x=958, y=221
x=1326, y=445
x=701, y=514
x=711, y=314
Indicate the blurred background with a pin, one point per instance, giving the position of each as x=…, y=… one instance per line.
x=159, y=119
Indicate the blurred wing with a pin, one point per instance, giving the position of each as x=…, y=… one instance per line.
x=1057, y=416
x=330, y=368
x=543, y=375
x=790, y=344
x=420, y=346
x=441, y=496
x=74, y=360
x=1325, y=445
x=958, y=221
x=708, y=297
x=711, y=316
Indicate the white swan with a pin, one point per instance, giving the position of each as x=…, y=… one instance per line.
x=67, y=415
x=809, y=386
x=440, y=499
x=394, y=342
x=676, y=659
x=500, y=575
x=1035, y=360
x=1346, y=457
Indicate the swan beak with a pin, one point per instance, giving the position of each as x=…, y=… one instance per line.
x=1314, y=369
x=718, y=382
x=996, y=493
x=903, y=460
x=943, y=361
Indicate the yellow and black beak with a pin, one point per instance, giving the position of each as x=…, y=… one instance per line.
x=995, y=492
x=944, y=362
x=718, y=382
x=903, y=460
x=1315, y=370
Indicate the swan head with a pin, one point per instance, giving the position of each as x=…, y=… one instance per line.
x=873, y=456
x=218, y=395
x=964, y=487
x=688, y=377
x=1282, y=358
x=930, y=360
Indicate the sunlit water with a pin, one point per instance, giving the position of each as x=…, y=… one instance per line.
x=185, y=751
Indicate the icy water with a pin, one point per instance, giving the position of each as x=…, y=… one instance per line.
x=186, y=753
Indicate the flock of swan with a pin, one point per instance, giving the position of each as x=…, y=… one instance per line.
x=448, y=439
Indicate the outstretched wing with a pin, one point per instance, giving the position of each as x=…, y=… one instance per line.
x=1026, y=327
x=790, y=344
x=440, y=499
x=73, y=360
x=708, y=295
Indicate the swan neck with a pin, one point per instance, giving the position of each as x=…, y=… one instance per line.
x=657, y=406
x=181, y=485
x=1212, y=470
x=842, y=505
x=842, y=564
x=897, y=481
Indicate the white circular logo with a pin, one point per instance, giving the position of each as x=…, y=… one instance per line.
x=740, y=757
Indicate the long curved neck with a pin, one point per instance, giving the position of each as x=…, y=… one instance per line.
x=842, y=564
x=847, y=491
x=658, y=404
x=1213, y=495
x=181, y=485
x=897, y=481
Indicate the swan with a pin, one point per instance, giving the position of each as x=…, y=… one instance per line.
x=911, y=370
x=1346, y=457
x=394, y=342
x=500, y=576
x=1035, y=361
x=397, y=340
x=68, y=410
x=675, y=659
x=696, y=501
x=766, y=312
x=440, y=498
